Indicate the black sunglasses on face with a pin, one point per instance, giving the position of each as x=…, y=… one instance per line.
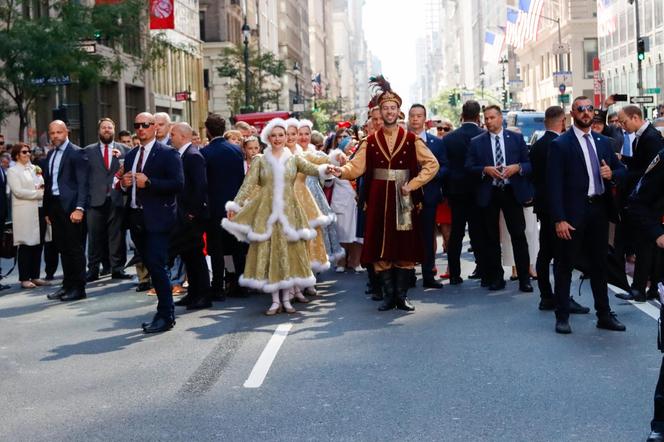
x=25, y=152
x=142, y=125
x=445, y=129
x=587, y=108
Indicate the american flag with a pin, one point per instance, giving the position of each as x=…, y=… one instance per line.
x=523, y=23
x=606, y=18
x=316, y=83
x=493, y=46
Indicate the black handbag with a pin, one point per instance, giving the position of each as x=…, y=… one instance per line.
x=7, y=247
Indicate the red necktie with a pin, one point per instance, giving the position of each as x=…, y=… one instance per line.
x=106, y=159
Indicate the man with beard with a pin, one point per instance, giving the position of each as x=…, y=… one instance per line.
x=397, y=164
x=580, y=172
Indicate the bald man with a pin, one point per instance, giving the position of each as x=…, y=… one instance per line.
x=193, y=213
x=65, y=202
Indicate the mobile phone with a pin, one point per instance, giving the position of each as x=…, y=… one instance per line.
x=620, y=97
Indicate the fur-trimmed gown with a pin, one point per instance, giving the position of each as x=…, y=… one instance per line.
x=317, y=220
x=270, y=218
x=334, y=250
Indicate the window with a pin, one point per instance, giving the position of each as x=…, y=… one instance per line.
x=589, y=54
x=201, y=24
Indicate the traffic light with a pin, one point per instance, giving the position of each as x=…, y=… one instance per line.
x=97, y=36
x=451, y=99
x=504, y=96
x=641, y=49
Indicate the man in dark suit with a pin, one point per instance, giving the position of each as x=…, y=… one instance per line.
x=105, y=216
x=225, y=167
x=65, y=202
x=580, y=170
x=645, y=209
x=459, y=186
x=193, y=213
x=646, y=145
x=417, y=116
x=499, y=161
x=153, y=177
x=554, y=122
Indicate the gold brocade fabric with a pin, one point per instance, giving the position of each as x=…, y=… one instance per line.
x=316, y=246
x=274, y=223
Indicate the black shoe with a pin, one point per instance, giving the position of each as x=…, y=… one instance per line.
x=121, y=275
x=74, y=295
x=514, y=278
x=525, y=287
x=577, y=309
x=57, y=295
x=5, y=286
x=200, y=303
x=431, y=283
x=91, y=276
x=159, y=325
x=474, y=275
x=218, y=296
x=655, y=436
x=401, y=289
x=377, y=294
x=49, y=278
x=610, y=321
x=184, y=301
x=562, y=327
x=652, y=293
x=105, y=271
x=456, y=280
x=386, y=280
x=547, y=303
x=497, y=285
x=633, y=295
x=143, y=287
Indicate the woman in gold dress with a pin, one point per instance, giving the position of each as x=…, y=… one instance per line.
x=266, y=214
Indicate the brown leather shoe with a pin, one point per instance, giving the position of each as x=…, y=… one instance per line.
x=178, y=290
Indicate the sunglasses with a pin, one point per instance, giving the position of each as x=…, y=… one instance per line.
x=25, y=152
x=142, y=125
x=444, y=129
x=587, y=108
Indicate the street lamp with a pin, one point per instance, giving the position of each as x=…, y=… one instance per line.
x=482, y=74
x=504, y=62
x=246, y=33
x=296, y=73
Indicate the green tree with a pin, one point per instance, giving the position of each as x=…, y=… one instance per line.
x=322, y=114
x=265, y=72
x=453, y=113
x=36, y=52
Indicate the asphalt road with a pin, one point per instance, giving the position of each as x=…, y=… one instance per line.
x=467, y=365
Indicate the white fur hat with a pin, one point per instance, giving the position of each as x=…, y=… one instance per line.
x=292, y=122
x=267, y=130
x=306, y=123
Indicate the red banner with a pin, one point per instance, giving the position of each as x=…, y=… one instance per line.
x=597, y=83
x=162, y=14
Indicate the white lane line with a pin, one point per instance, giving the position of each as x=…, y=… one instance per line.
x=264, y=362
x=650, y=308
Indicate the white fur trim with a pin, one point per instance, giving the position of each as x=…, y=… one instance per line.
x=293, y=122
x=334, y=156
x=265, y=286
x=322, y=220
x=311, y=148
x=305, y=123
x=232, y=206
x=322, y=172
x=318, y=267
x=337, y=256
x=275, y=122
x=245, y=233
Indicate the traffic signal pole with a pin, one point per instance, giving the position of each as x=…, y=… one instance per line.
x=639, y=64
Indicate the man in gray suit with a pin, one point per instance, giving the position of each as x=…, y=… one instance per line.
x=105, y=217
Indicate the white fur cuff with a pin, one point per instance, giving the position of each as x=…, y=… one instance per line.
x=232, y=206
x=322, y=172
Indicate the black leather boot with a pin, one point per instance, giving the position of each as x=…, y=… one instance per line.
x=403, y=277
x=386, y=279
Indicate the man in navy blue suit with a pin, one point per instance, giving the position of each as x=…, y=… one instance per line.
x=459, y=188
x=187, y=238
x=153, y=177
x=65, y=201
x=417, y=116
x=580, y=173
x=225, y=166
x=499, y=160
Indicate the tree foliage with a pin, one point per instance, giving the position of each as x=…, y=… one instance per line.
x=265, y=72
x=440, y=107
x=38, y=51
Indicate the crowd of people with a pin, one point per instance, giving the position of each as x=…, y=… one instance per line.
x=274, y=210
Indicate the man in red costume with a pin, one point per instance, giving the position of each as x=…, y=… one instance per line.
x=396, y=164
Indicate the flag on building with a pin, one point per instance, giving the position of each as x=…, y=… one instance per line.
x=317, y=86
x=162, y=14
x=606, y=18
x=510, y=28
x=493, y=46
x=523, y=23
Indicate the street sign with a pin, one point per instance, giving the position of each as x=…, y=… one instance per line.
x=560, y=48
x=562, y=77
x=298, y=107
x=516, y=85
x=653, y=90
x=54, y=81
x=563, y=98
x=182, y=96
x=88, y=46
x=642, y=99
x=562, y=88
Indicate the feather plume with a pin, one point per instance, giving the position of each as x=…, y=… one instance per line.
x=379, y=84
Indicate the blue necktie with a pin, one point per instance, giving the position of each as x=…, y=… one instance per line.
x=500, y=160
x=594, y=165
x=627, y=145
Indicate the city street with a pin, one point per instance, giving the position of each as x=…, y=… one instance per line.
x=466, y=365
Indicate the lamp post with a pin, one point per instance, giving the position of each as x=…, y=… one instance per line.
x=504, y=62
x=482, y=74
x=246, y=32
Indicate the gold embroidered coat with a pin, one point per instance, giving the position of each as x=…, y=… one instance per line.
x=270, y=218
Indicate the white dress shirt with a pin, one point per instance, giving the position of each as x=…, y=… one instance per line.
x=582, y=141
x=501, y=136
x=54, y=165
x=182, y=150
x=134, y=167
